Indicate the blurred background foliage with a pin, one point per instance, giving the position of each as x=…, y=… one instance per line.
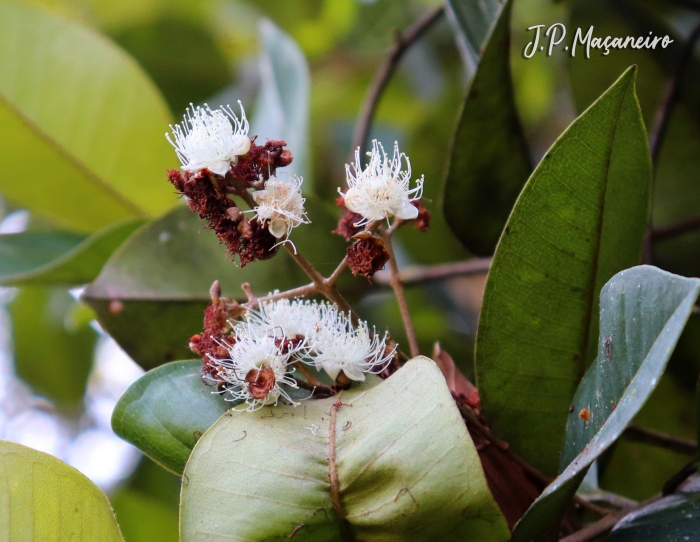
x=210, y=51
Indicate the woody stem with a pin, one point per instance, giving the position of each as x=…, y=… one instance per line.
x=400, y=294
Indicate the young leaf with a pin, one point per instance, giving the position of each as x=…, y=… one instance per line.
x=165, y=411
x=673, y=518
x=580, y=219
x=41, y=259
x=481, y=185
x=282, y=110
x=42, y=498
x=265, y=475
x=82, y=126
x=151, y=293
x=642, y=313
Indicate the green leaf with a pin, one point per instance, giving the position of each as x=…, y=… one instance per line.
x=482, y=184
x=50, y=355
x=282, y=110
x=642, y=313
x=151, y=294
x=41, y=259
x=580, y=219
x=42, y=498
x=82, y=125
x=165, y=411
x=406, y=466
x=474, y=21
x=671, y=519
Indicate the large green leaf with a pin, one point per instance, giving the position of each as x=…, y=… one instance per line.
x=672, y=519
x=42, y=498
x=580, y=219
x=51, y=354
x=82, y=125
x=151, y=294
x=38, y=258
x=642, y=313
x=489, y=160
x=165, y=411
x=282, y=110
x=406, y=468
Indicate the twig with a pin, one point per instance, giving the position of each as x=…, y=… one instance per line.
x=301, y=291
x=401, y=44
x=658, y=133
x=662, y=440
x=676, y=481
x=663, y=113
x=612, y=499
x=400, y=295
x=679, y=228
x=419, y=274
x=605, y=524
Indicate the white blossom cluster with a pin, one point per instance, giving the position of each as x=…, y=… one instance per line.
x=214, y=139
x=207, y=139
x=280, y=333
x=382, y=189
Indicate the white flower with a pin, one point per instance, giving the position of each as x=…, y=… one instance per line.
x=331, y=342
x=290, y=318
x=206, y=139
x=382, y=189
x=282, y=204
x=258, y=366
x=340, y=346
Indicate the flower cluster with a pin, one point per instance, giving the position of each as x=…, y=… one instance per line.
x=218, y=159
x=263, y=347
x=382, y=189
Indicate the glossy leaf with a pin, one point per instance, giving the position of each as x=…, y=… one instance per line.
x=38, y=258
x=151, y=293
x=82, y=125
x=473, y=21
x=580, y=219
x=282, y=110
x=165, y=411
x=481, y=186
x=643, y=312
x=272, y=469
x=672, y=519
x=51, y=355
x=42, y=498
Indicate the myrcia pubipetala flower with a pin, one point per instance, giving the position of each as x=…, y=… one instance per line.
x=264, y=346
x=206, y=138
x=281, y=204
x=382, y=189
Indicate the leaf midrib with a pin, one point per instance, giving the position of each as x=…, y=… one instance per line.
x=598, y=238
x=72, y=159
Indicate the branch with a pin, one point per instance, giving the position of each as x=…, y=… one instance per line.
x=679, y=228
x=419, y=274
x=402, y=43
x=662, y=440
x=605, y=524
x=663, y=113
x=400, y=294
